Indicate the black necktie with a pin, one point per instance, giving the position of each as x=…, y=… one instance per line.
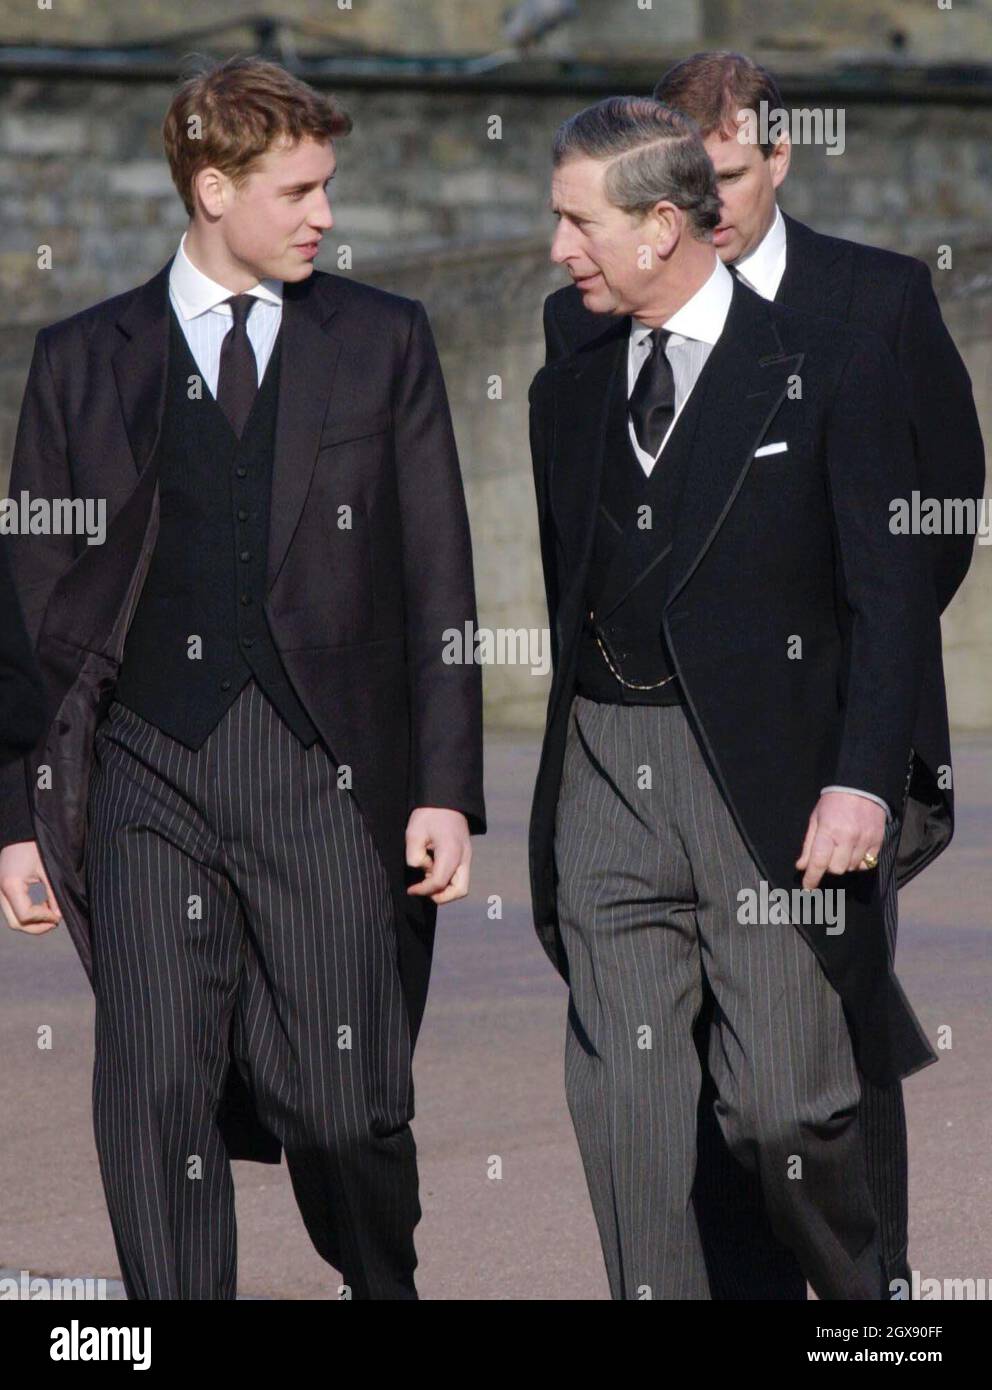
x=652, y=401
x=237, y=384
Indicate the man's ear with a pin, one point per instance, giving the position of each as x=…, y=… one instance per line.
x=669, y=222
x=208, y=183
x=780, y=158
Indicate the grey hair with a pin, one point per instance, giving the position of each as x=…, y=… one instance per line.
x=654, y=153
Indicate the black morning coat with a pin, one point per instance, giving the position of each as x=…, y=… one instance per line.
x=20, y=680
x=893, y=296
x=795, y=543
x=358, y=617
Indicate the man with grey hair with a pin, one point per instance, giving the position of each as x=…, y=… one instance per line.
x=738, y=641
x=782, y=259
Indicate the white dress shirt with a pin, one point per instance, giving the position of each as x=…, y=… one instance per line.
x=764, y=267
x=205, y=318
x=694, y=329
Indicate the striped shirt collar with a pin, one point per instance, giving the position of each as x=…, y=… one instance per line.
x=195, y=293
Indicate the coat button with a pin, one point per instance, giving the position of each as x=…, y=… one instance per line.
x=225, y=685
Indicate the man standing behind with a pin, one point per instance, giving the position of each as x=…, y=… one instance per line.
x=785, y=261
x=738, y=641
x=254, y=744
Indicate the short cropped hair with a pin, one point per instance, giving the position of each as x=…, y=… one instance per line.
x=653, y=154
x=712, y=87
x=229, y=115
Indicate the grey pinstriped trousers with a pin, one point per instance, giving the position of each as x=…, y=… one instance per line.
x=236, y=891
x=647, y=901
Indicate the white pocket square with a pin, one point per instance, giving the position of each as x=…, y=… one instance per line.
x=771, y=449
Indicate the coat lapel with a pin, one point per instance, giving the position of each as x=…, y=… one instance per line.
x=741, y=387
x=310, y=354
x=140, y=366
x=818, y=272
x=747, y=376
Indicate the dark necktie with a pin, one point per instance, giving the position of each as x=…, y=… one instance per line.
x=652, y=401
x=237, y=383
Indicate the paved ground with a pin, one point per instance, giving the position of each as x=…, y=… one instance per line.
x=489, y=1085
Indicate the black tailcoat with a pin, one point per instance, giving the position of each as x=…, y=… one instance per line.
x=892, y=295
x=358, y=618
x=20, y=680
x=793, y=544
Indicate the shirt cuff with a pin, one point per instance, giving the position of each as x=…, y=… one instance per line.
x=856, y=791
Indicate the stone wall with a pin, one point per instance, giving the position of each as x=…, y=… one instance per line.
x=935, y=28
x=82, y=172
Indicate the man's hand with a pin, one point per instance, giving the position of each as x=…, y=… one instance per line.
x=842, y=830
x=20, y=867
x=445, y=833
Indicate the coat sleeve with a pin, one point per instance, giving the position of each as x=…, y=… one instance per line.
x=539, y=434
x=21, y=697
x=883, y=576
x=949, y=450
x=439, y=587
x=40, y=468
x=555, y=344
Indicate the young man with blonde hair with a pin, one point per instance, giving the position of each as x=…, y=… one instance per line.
x=253, y=746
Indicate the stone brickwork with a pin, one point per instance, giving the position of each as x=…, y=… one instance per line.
x=946, y=29
x=82, y=172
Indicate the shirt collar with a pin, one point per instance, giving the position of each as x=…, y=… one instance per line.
x=702, y=317
x=195, y=292
x=763, y=267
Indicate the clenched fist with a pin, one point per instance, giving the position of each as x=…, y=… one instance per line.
x=22, y=879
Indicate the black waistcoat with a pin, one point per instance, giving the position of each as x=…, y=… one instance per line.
x=632, y=631
x=207, y=576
